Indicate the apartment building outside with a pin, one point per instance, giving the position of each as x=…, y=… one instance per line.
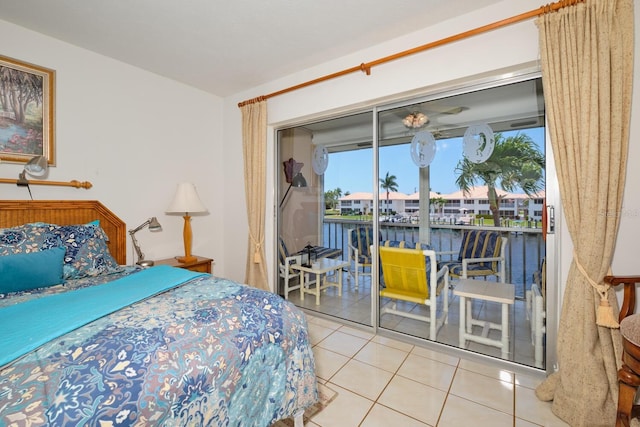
x=473, y=203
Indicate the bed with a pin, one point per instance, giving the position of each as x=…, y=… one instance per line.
x=118, y=345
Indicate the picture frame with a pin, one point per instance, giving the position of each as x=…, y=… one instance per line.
x=27, y=122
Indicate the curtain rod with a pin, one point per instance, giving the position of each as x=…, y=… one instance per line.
x=366, y=67
x=73, y=183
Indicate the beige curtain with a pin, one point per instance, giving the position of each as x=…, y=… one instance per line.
x=587, y=61
x=254, y=147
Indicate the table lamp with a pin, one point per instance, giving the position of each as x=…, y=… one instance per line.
x=153, y=225
x=184, y=202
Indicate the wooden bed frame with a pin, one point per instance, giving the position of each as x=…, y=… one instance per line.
x=68, y=212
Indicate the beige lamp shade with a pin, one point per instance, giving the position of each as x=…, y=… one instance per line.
x=186, y=200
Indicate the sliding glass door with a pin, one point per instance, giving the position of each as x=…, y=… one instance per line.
x=463, y=174
x=457, y=171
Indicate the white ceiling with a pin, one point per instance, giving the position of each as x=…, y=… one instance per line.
x=227, y=46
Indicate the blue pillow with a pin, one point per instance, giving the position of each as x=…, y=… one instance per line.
x=26, y=271
x=25, y=238
x=87, y=251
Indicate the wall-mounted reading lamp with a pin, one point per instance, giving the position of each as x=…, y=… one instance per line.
x=293, y=176
x=154, y=225
x=37, y=167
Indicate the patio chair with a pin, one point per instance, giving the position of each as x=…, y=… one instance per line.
x=286, y=259
x=411, y=275
x=400, y=244
x=481, y=254
x=359, y=245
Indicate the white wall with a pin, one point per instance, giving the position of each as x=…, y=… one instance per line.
x=507, y=47
x=110, y=116
x=517, y=44
x=134, y=135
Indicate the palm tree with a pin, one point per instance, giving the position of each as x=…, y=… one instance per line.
x=388, y=183
x=338, y=193
x=438, y=203
x=332, y=197
x=329, y=199
x=516, y=162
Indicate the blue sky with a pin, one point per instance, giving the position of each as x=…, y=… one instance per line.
x=351, y=171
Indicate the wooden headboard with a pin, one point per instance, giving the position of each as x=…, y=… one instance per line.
x=68, y=212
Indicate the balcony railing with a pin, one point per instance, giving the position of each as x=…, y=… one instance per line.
x=524, y=253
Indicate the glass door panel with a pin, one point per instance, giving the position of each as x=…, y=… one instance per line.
x=464, y=170
x=315, y=220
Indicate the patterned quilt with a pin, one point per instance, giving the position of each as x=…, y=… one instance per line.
x=210, y=352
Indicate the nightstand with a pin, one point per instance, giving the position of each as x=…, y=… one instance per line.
x=201, y=264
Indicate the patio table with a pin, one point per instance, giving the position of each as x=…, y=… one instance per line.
x=470, y=289
x=320, y=267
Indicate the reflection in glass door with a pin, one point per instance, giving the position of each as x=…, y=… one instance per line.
x=318, y=219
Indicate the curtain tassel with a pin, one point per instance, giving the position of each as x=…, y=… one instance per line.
x=257, y=259
x=604, y=316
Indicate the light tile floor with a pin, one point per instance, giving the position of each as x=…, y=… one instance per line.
x=355, y=306
x=384, y=382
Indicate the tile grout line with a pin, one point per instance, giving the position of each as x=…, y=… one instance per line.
x=448, y=392
x=374, y=402
x=395, y=373
x=370, y=339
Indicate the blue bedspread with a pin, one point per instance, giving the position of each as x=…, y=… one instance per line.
x=24, y=327
x=208, y=352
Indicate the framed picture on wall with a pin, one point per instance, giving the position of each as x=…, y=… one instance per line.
x=26, y=111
